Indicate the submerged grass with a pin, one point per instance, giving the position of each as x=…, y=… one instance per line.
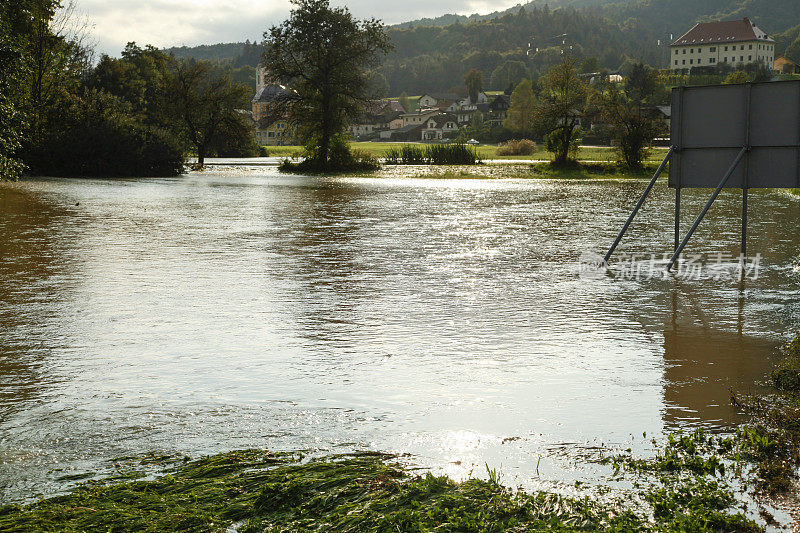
x=259, y=491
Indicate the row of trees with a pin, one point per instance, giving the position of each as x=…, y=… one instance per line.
x=554, y=109
x=139, y=114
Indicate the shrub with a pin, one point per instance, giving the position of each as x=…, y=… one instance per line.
x=517, y=147
x=434, y=154
x=341, y=158
x=786, y=376
x=263, y=151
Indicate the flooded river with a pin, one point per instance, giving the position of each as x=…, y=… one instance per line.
x=443, y=318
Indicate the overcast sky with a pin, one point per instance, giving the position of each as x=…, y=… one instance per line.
x=167, y=23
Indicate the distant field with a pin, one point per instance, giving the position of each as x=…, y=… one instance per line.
x=486, y=152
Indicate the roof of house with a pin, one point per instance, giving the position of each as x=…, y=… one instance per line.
x=442, y=96
x=729, y=31
x=783, y=60
x=269, y=93
x=441, y=120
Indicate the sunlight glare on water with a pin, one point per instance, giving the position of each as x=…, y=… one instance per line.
x=443, y=318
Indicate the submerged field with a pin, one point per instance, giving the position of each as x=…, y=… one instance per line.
x=486, y=152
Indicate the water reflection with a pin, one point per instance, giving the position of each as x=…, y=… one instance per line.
x=704, y=365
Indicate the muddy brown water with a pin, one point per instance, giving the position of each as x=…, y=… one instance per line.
x=443, y=318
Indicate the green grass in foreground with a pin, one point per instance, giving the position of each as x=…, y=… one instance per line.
x=485, y=152
x=367, y=492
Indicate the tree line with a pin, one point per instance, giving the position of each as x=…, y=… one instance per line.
x=64, y=113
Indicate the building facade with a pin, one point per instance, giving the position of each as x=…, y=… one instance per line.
x=710, y=44
x=270, y=129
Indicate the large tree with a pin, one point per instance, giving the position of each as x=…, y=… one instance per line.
x=625, y=110
x=324, y=55
x=562, y=102
x=520, y=118
x=206, y=105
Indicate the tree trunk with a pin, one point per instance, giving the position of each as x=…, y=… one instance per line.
x=201, y=155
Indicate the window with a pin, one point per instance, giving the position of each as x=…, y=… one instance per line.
x=742, y=47
x=684, y=61
x=677, y=51
x=726, y=48
x=751, y=47
x=712, y=49
x=691, y=61
x=713, y=60
x=749, y=58
x=676, y=61
x=684, y=51
x=741, y=58
x=691, y=51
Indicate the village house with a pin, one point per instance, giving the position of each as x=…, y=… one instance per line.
x=439, y=127
x=786, y=66
x=498, y=109
x=418, y=117
x=732, y=42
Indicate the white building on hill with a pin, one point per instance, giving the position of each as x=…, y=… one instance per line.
x=711, y=43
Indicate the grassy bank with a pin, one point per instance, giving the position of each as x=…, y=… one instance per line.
x=379, y=149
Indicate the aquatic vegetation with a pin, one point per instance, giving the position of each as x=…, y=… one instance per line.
x=260, y=491
x=432, y=154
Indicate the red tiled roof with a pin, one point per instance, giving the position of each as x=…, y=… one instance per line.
x=729, y=31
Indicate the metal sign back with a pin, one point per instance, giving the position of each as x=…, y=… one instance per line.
x=711, y=125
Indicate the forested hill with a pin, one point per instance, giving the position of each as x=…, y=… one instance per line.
x=434, y=54
x=659, y=16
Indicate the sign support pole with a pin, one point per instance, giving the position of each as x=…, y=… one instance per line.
x=677, y=217
x=639, y=204
x=707, y=207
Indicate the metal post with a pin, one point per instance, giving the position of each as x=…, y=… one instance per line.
x=639, y=204
x=677, y=217
x=707, y=207
x=744, y=223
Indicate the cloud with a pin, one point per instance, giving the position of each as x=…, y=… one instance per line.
x=167, y=23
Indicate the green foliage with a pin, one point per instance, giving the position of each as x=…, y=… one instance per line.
x=11, y=118
x=96, y=135
x=203, y=106
x=408, y=107
x=474, y=83
x=341, y=158
x=324, y=54
x=786, y=377
x=632, y=128
x=508, y=74
x=736, y=77
x=367, y=492
x=522, y=113
x=561, y=106
x=433, y=154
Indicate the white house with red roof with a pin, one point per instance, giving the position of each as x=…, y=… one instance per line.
x=731, y=41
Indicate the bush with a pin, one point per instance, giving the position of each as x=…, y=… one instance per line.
x=517, y=147
x=96, y=136
x=434, y=154
x=341, y=158
x=786, y=376
x=263, y=151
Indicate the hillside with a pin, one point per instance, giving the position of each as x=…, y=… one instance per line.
x=434, y=54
